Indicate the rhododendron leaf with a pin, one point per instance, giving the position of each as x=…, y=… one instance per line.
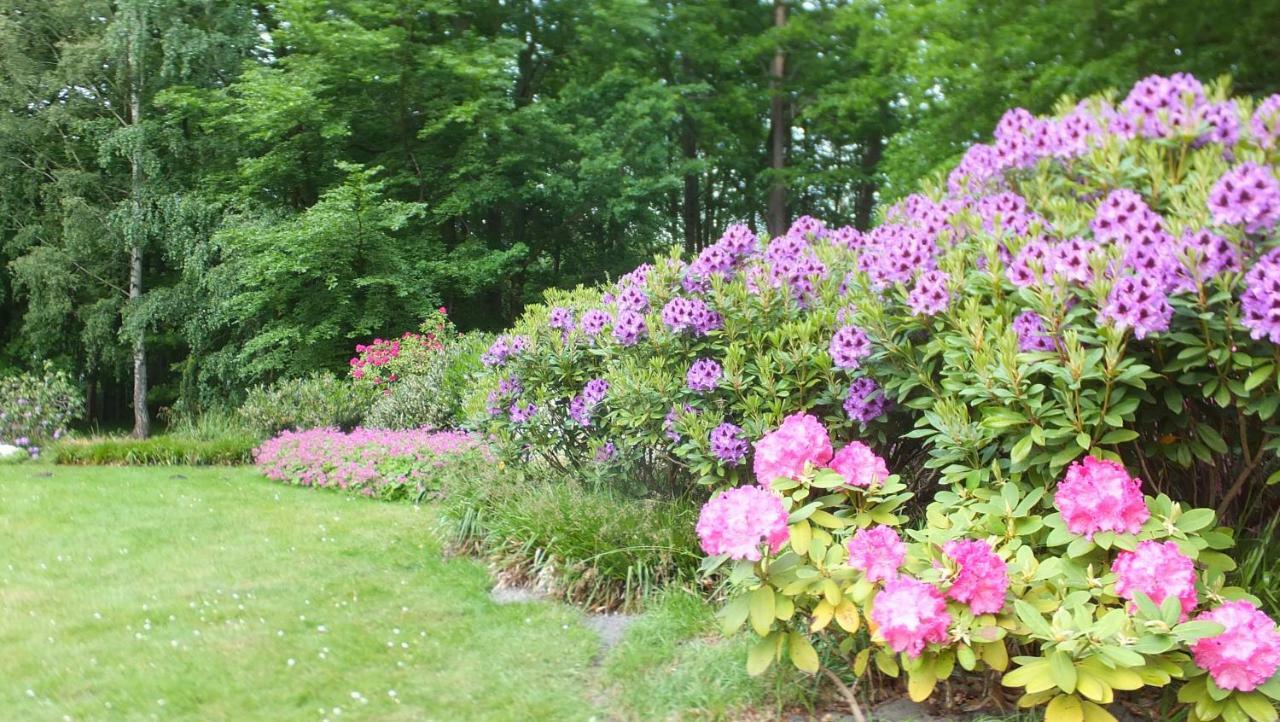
x=784, y=607
x=1079, y=547
x=1257, y=706
x=921, y=682
x=823, y=613
x=801, y=535
x=847, y=616
x=1208, y=708
x=822, y=518
x=1189, y=632
x=967, y=659
x=1028, y=615
x=831, y=591
x=1064, y=708
x=1212, y=438
x=1027, y=673
x=734, y=614
x=987, y=634
x=1231, y=711
x=1259, y=375
x=1092, y=687
x=1117, y=678
x=1094, y=713
x=1118, y=436
x=1271, y=687
x=1063, y=669
x=762, y=654
x=1123, y=656
x=1021, y=449
x=762, y=610
x=803, y=655
x=860, y=662
x=803, y=512
x=1195, y=520
x=886, y=663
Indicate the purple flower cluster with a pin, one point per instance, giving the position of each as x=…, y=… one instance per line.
x=522, y=414
x=561, y=319
x=632, y=298
x=1032, y=335
x=503, y=349
x=704, y=375
x=894, y=253
x=1264, y=126
x=930, y=295
x=1260, y=303
x=790, y=261
x=1137, y=303
x=670, y=420
x=629, y=328
x=509, y=389
x=1160, y=107
x=594, y=322
x=690, y=314
x=728, y=444
x=849, y=345
x=1247, y=195
x=584, y=404
x=866, y=401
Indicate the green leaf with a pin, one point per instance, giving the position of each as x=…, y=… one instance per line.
x=1119, y=436
x=803, y=655
x=762, y=610
x=761, y=655
x=1063, y=670
x=1257, y=706
x=1195, y=520
x=734, y=614
x=1064, y=708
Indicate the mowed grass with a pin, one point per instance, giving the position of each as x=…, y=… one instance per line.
x=213, y=594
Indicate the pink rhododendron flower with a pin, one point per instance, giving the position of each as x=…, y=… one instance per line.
x=1246, y=654
x=1158, y=570
x=859, y=465
x=910, y=614
x=784, y=451
x=878, y=552
x=1098, y=495
x=983, y=578
x=738, y=521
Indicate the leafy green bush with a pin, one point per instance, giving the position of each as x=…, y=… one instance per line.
x=432, y=396
x=315, y=402
x=167, y=450
x=36, y=408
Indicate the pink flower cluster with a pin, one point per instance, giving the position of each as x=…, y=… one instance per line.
x=365, y=461
x=878, y=551
x=370, y=357
x=738, y=521
x=909, y=614
x=783, y=452
x=859, y=465
x=1158, y=570
x=1097, y=495
x=1247, y=652
x=982, y=579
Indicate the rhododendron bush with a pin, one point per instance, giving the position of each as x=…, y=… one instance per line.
x=36, y=408
x=382, y=362
x=385, y=464
x=1090, y=294
x=1073, y=595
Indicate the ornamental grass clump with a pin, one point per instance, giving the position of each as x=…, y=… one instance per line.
x=370, y=462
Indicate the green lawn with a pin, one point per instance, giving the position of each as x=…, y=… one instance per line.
x=212, y=594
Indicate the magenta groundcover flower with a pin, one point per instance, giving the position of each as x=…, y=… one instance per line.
x=983, y=577
x=1247, y=195
x=1158, y=570
x=784, y=451
x=878, y=551
x=909, y=614
x=736, y=522
x=1097, y=495
x=859, y=465
x=1246, y=654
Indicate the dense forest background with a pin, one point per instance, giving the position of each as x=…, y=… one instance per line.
x=217, y=193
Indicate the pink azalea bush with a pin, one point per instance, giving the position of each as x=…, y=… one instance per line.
x=1159, y=570
x=370, y=462
x=981, y=578
x=910, y=614
x=877, y=551
x=1247, y=651
x=784, y=452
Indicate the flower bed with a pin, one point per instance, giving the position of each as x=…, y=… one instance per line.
x=371, y=462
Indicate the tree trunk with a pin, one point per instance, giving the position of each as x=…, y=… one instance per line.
x=865, y=195
x=137, y=231
x=690, y=212
x=779, y=131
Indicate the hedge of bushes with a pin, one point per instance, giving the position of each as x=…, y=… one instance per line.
x=164, y=450
x=1056, y=354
